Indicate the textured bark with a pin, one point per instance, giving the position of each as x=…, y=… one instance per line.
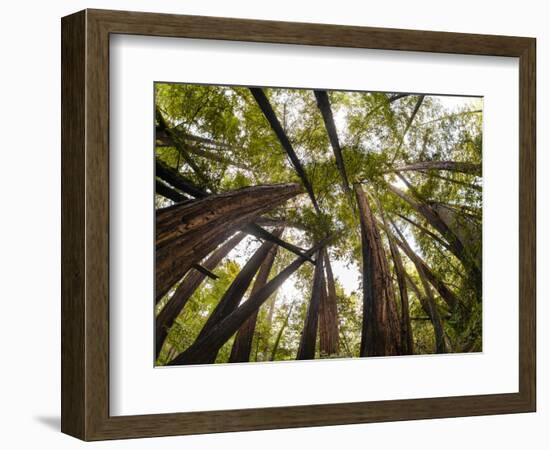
x=201, y=351
x=451, y=166
x=328, y=314
x=446, y=294
x=380, y=332
x=269, y=113
x=175, y=179
x=323, y=103
x=187, y=233
x=242, y=345
x=428, y=304
x=184, y=291
x=306, y=350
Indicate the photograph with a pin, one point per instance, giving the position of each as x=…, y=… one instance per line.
x=299, y=224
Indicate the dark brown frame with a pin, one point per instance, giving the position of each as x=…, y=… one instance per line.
x=85, y=224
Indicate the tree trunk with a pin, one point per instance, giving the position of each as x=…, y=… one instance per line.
x=328, y=314
x=446, y=294
x=169, y=193
x=407, y=341
x=306, y=349
x=234, y=294
x=201, y=351
x=323, y=103
x=433, y=218
x=242, y=345
x=380, y=333
x=280, y=333
x=434, y=236
x=184, y=291
x=465, y=229
x=265, y=106
x=429, y=306
x=451, y=166
x=187, y=233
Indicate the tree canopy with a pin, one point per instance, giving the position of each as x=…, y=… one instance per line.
x=376, y=198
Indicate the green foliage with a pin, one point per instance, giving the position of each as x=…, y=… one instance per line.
x=226, y=122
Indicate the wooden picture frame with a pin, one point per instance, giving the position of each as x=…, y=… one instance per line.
x=85, y=224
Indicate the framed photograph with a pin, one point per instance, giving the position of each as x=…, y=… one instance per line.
x=273, y=225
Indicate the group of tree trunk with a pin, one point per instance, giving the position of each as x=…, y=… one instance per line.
x=201, y=228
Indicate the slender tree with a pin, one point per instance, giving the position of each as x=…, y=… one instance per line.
x=242, y=345
x=380, y=333
x=427, y=301
x=306, y=350
x=201, y=351
x=234, y=294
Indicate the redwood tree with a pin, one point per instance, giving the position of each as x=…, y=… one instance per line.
x=380, y=333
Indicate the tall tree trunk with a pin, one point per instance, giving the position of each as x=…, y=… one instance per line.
x=201, y=351
x=269, y=113
x=428, y=304
x=406, y=330
x=306, y=349
x=328, y=314
x=234, y=294
x=466, y=230
x=187, y=233
x=177, y=180
x=446, y=294
x=433, y=218
x=280, y=333
x=323, y=103
x=242, y=345
x=184, y=291
x=451, y=166
x=380, y=333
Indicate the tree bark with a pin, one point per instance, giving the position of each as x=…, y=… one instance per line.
x=323, y=103
x=306, y=350
x=269, y=113
x=187, y=233
x=242, y=345
x=177, y=180
x=407, y=341
x=201, y=351
x=184, y=291
x=328, y=314
x=451, y=166
x=234, y=294
x=380, y=332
